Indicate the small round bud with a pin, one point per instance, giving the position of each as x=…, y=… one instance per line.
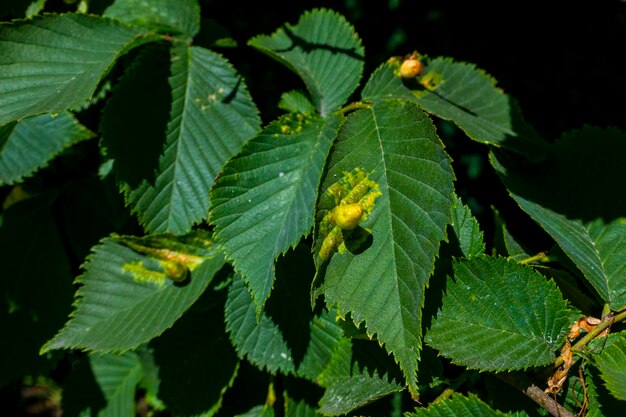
x=411, y=68
x=347, y=216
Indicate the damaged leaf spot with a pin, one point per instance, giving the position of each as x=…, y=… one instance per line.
x=343, y=206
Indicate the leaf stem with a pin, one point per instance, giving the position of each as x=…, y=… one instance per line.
x=540, y=257
x=355, y=106
x=523, y=384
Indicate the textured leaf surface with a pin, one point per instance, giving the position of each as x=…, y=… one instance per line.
x=31, y=143
x=572, y=195
x=460, y=92
x=298, y=407
x=466, y=230
x=264, y=200
x=457, y=406
x=181, y=16
x=382, y=282
x=498, y=315
x=211, y=116
x=324, y=50
x=287, y=336
x=54, y=62
x=612, y=365
x=196, y=361
x=128, y=294
x=117, y=377
x=358, y=373
x=296, y=101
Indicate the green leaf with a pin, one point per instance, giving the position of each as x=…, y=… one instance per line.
x=358, y=373
x=196, y=361
x=466, y=230
x=498, y=315
x=177, y=16
x=31, y=143
x=379, y=273
x=295, y=408
x=287, y=336
x=324, y=50
x=55, y=62
x=612, y=365
x=117, y=376
x=457, y=406
x=572, y=196
x=601, y=402
x=259, y=411
x=35, y=289
x=211, y=116
x=464, y=94
x=264, y=199
x=135, y=288
x=295, y=101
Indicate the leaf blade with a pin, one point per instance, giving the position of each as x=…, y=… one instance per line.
x=324, y=50
x=382, y=285
x=34, y=141
x=168, y=15
x=54, y=62
x=498, y=315
x=211, y=116
x=552, y=193
x=460, y=92
x=264, y=201
x=612, y=365
x=125, y=287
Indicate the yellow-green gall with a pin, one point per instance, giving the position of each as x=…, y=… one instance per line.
x=411, y=68
x=347, y=216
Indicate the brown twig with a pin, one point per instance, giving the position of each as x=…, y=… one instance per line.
x=523, y=384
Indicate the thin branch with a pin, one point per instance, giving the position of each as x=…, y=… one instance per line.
x=606, y=322
x=523, y=384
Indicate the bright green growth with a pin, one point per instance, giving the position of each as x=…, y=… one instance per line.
x=343, y=205
x=456, y=406
x=612, y=365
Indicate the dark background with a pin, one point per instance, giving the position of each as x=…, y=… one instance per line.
x=563, y=64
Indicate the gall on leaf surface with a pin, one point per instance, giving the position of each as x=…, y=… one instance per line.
x=464, y=94
x=498, y=315
x=379, y=271
x=324, y=50
x=133, y=289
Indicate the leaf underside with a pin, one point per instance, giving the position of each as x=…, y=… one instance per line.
x=383, y=282
x=498, y=315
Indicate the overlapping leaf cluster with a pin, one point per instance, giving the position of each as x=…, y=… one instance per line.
x=233, y=268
